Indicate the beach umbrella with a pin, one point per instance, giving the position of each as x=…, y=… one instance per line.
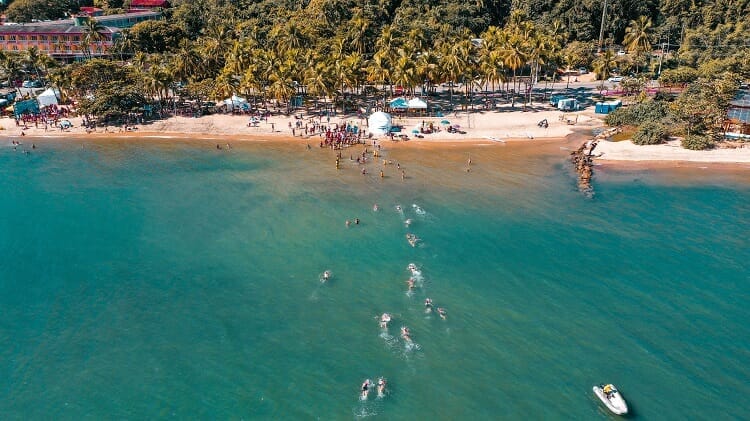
x=446, y=122
x=415, y=131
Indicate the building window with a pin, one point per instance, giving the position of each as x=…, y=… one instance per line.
x=54, y=37
x=12, y=37
x=22, y=37
x=43, y=37
x=32, y=38
x=2, y=37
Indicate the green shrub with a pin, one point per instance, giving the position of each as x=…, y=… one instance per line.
x=637, y=114
x=697, y=142
x=650, y=133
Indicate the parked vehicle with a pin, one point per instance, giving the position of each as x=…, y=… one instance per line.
x=615, y=79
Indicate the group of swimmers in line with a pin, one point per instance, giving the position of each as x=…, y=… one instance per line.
x=349, y=223
x=220, y=148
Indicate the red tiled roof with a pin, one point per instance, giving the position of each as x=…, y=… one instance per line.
x=149, y=3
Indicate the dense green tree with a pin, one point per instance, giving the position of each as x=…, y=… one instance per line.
x=26, y=10
x=154, y=36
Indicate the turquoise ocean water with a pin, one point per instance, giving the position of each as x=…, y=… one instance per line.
x=160, y=279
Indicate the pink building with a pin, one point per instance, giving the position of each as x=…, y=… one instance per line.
x=65, y=39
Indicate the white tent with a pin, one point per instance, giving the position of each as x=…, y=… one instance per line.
x=48, y=97
x=234, y=102
x=379, y=123
x=416, y=103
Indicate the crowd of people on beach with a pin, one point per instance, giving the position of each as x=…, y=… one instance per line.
x=48, y=117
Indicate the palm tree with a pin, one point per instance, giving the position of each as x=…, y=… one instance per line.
x=404, y=71
x=359, y=30
x=638, y=35
x=514, y=56
x=379, y=70
x=10, y=64
x=92, y=29
x=603, y=64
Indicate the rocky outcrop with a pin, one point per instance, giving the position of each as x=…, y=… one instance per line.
x=583, y=162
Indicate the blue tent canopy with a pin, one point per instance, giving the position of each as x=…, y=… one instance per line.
x=23, y=107
x=399, y=103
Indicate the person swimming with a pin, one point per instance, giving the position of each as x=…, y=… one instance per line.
x=398, y=208
x=326, y=276
x=384, y=319
x=442, y=313
x=405, y=334
x=365, y=389
x=411, y=284
x=428, y=305
x=381, y=387
x=408, y=222
x=375, y=207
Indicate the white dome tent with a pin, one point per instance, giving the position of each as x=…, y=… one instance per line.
x=379, y=123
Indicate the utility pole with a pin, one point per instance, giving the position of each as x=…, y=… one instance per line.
x=601, y=29
x=661, y=57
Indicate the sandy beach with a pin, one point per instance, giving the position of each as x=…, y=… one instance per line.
x=669, y=151
x=503, y=124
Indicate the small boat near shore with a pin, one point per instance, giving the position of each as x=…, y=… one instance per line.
x=612, y=399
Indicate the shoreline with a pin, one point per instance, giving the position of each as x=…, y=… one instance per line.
x=488, y=128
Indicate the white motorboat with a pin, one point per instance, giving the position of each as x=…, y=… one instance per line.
x=612, y=398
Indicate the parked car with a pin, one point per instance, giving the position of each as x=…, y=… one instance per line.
x=615, y=79
x=621, y=53
x=399, y=90
x=583, y=71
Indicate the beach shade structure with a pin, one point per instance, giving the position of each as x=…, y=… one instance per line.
x=445, y=122
x=379, y=123
x=234, y=102
x=415, y=131
x=48, y=97
x=23, y=107
x=607, y=107
x=399, y=104
x=416, y=104
x=568, y=104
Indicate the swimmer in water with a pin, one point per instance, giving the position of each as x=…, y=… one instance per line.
x=356, y=221
x=348, y=222
x=398, y=208
x=408, y=222
x=412, y=267
x=405, y=334
x=384, y=320
x=428, y=305
x=381, y=387
x=442, y=313
x=375, y=207
x=410, y=283
x=365, y=389
x=326, y=276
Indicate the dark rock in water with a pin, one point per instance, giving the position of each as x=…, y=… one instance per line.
x=582, y=159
